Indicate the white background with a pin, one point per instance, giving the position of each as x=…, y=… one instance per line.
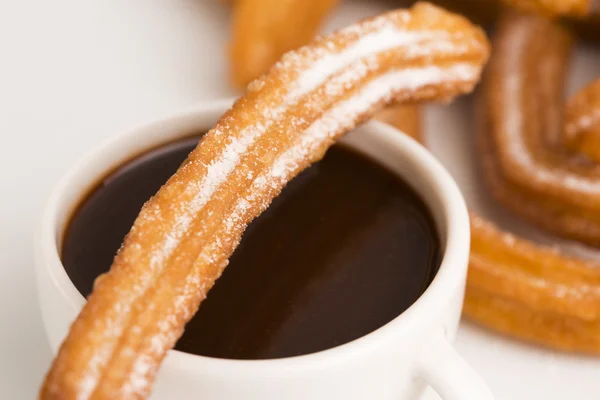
x=73, y=72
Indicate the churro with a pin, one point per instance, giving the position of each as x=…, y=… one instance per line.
x=181, y=241
x=406, y=118
x=544, y=171
x=262, y=30
x=532, y=292
x=582, y=131
x=524, y=159
x=515, y=320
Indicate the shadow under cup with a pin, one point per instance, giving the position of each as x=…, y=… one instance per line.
x=346, y=248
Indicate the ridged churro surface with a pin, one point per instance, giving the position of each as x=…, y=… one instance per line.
x=545, y=170
x=525, y=161
x=183, y=237
x=262, y=30
x=532, y=292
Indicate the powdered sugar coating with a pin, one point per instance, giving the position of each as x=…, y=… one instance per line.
x=584, y=122
x=527, y=161
x=514, y=286
x=329, y=61
x=180, y=243
x=541, y=278
x=515, y=139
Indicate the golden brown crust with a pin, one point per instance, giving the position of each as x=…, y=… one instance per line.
x=514, y=286
x=537, y=278
x=582, y=131
x=180, y=242
x=531, y=292
x=262, y=30
x=524, y=161
x=560, y=332
x=406, y=118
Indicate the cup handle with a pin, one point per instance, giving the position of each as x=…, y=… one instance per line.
x=449, y=374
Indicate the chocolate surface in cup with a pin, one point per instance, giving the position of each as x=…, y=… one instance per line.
x=345, y=248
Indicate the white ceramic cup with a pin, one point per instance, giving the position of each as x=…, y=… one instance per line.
x=392, y=363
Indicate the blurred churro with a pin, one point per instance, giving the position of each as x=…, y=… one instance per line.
x=582, y=132
x=514, y=286
x=406, y=118
x=532, y=292
x=525, y=162
x=262, y=30
x=516, y=320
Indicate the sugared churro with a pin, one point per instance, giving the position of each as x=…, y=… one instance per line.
x=532, y=292
x=183, y=237
x=262, y=30
x=514, y=286
x=524, y=160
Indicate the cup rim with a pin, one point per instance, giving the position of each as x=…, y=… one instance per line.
x=449, y=277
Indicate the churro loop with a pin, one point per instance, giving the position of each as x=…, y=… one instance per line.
x=525, y=162
x=545, y=173
x=181, y=241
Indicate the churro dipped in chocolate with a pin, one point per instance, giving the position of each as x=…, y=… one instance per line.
x=181, y=241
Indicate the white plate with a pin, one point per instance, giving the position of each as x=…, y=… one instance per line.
x=73, y=72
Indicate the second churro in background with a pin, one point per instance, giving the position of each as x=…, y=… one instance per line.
x=536, y=51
